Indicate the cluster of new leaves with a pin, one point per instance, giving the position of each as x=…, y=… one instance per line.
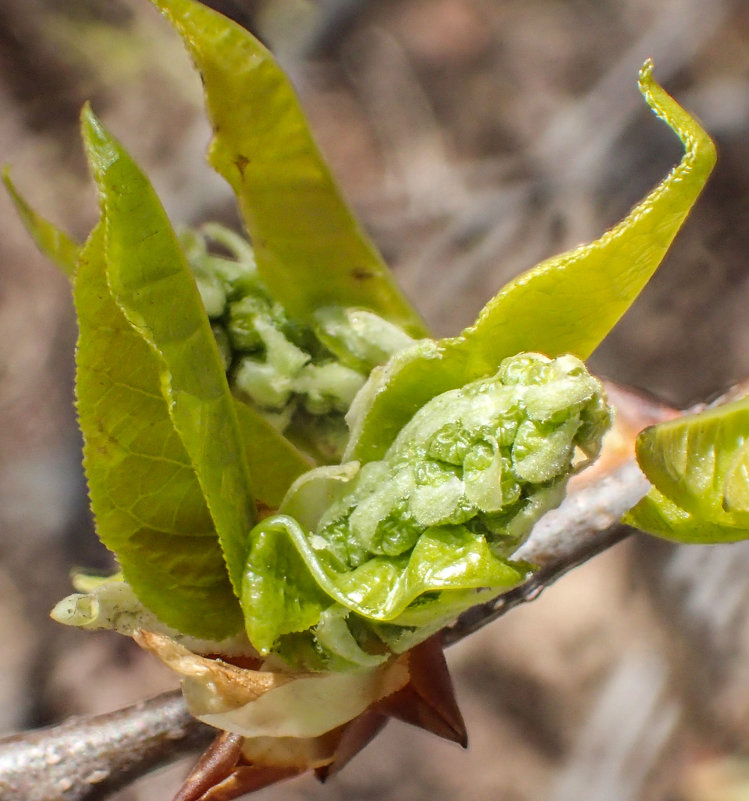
x=286, y=465
x=408, y=539
x=302, y=377
x=209, y=388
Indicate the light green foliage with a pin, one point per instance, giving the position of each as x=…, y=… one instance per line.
x=302, y=378
x=699, y=466
x=110, y=603
x=195, y=354
x=274, y=462
x=564, y=305
x=310, y=250
x=147, y=274
x=147, y=501
x=454, y=496
x=359, y=338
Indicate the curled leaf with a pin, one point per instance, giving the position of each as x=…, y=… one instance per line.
x=411, y=538
x=566, y=304
x=699, y=466
x=112, y=604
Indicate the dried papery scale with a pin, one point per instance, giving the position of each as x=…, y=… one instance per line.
x=226, y=769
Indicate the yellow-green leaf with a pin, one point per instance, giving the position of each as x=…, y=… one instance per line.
x=273, y=461
x=151, y=282
x=310, y=250
x=566, y=304
x=659, y=516
x=698, y=467
x=53, y=242
x=147, y=502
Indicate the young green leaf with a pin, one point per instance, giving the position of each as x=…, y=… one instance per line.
x=310, y=250
x=53, y=242
x=274, y=463
x=151, y=282
x=288, y=593
x=659, y=516
x=279, y=594
x=409, y=539
x=566, y=304
x=698, y=465
x=109, y=602
x=147, y=502
x=299, y=379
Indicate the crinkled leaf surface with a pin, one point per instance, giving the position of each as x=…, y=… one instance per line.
x=699, y=466
x=310, y=250
x=148, y=504
x=566, y=304
x=278, y=596
x=152, y=283
x=412, y=537
x=54, y=243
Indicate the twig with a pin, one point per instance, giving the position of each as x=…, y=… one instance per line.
x=87, y=758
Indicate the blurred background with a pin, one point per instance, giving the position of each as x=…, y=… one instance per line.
x=473, y=138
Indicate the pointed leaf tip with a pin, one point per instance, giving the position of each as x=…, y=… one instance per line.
x=101, y=147
x=151, y=282
x=54, y=243
x=566, y=304
x=311, y=251
x=700, y=148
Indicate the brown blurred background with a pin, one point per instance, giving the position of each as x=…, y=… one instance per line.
x=474, y=138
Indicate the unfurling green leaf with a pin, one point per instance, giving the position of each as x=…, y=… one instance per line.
x=408, y=539
x=199, y=374
x=699, y=466
x=300, y=378
x=310, y=251
x=110, y=603
x=566, y=304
